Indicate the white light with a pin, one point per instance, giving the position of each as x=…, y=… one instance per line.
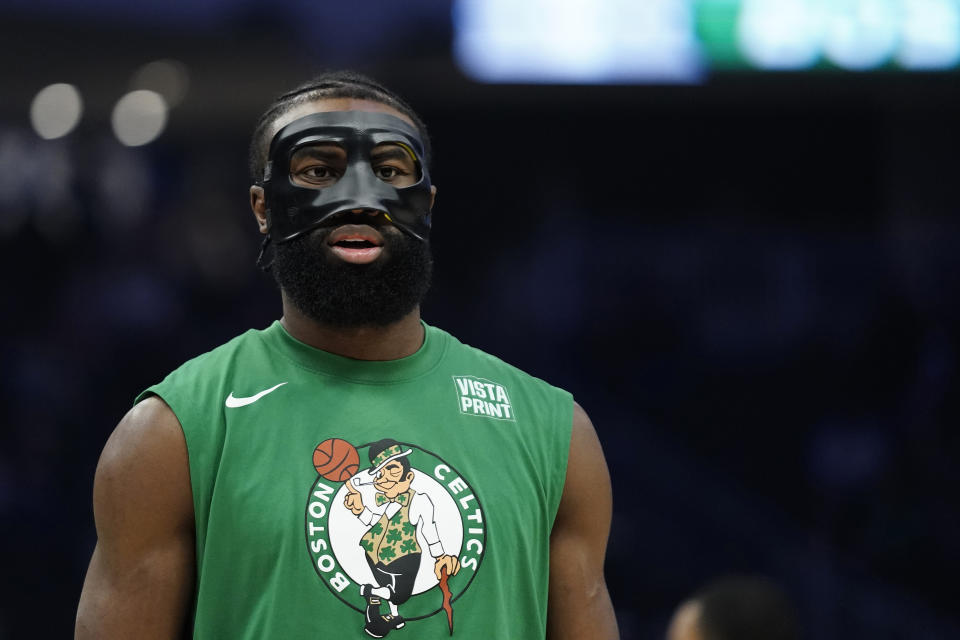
x=931, y=34
x=860, y=34
x=579, y=41
x=780, y=34
x=139, y=117
x=56, y=110
x=167, y=77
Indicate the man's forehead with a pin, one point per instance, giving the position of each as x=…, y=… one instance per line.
x=325, y=105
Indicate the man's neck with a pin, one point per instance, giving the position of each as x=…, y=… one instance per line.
x=394, y=341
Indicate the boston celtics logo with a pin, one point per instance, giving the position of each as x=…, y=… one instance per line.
x=398, y=540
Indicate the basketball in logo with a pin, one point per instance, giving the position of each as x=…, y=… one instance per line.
x=336, y=459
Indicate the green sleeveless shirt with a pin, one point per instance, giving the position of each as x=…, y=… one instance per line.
x=280, y=434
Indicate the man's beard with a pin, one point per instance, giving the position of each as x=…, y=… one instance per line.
x=341, y=294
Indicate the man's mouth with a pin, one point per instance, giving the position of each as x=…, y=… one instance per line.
x=356, y=243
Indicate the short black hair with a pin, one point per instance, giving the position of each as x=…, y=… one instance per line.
x=746, y=608
x=329, y=84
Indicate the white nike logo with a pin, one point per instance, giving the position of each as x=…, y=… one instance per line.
x=233, y=402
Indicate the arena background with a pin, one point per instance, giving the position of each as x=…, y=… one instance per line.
x=749, y=278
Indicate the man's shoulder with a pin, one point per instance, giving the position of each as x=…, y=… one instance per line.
x=212, y=365
x=226, y=352
x=481, y=363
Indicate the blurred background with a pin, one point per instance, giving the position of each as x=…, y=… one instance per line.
x=729, y=227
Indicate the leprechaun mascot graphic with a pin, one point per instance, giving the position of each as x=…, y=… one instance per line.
x=390, y=545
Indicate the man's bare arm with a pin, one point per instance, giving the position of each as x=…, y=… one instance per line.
x=579, y=606
x=141, y=576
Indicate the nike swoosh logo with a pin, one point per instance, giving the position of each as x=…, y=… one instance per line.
x=233, y=402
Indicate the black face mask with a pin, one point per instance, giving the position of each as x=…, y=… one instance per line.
x=293, y=210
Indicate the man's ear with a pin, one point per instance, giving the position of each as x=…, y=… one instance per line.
x=433, y=195
x=258, y=202
x=409, y=476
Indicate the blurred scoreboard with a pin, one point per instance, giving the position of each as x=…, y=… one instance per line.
x=625, y=41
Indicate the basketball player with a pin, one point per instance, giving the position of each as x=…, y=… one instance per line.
x=736, y=608
x=205, y=494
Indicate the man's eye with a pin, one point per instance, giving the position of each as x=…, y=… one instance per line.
x=318, y=172
x=387, y=172
x=315, y=175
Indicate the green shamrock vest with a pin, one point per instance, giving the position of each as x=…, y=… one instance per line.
x=293, y=452
x=392, y=537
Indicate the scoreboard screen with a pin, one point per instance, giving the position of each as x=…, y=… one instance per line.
x=627, y=41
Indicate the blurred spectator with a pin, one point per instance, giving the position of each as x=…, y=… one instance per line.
x=736, y=608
